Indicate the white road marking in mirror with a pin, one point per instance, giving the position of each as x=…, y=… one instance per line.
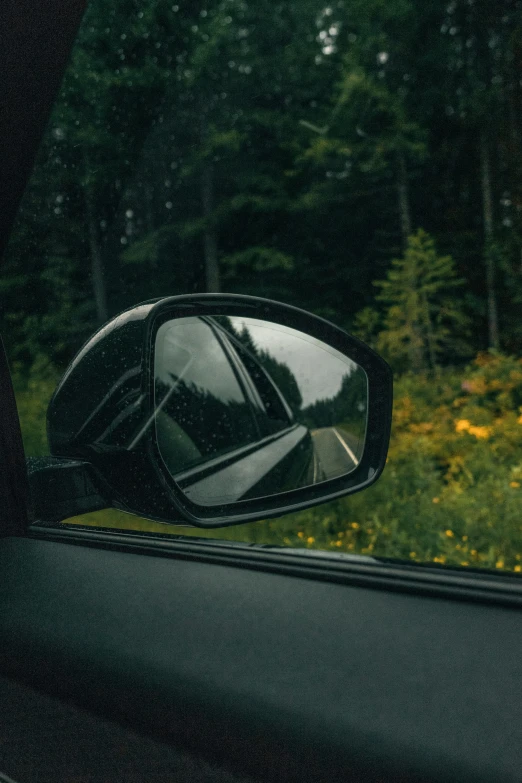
x=346, y=446
x=314, y=480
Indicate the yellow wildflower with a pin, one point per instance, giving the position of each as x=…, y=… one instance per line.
x=499, y=564
x=517, y=568
x=310, y=540
x=450, y=533
x=464, y=562
x=480, y=432
x=338, y=543
x=440, y=559
x=413, y=554
x=514, y=484
x=435, y=500
x=300, y=534
x=462, y=425
x=355, y=525
x=464, y=538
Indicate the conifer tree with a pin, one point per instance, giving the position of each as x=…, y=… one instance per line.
x=423, y=320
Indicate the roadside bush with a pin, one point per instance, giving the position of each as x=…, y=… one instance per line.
x=33, y=392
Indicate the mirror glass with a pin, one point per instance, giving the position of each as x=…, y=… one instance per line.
x=246, y=408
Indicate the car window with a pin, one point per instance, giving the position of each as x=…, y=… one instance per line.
x=275, y=413
x=361, y=160
x=195, y=384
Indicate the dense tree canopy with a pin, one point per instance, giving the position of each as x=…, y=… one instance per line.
x=284, y=149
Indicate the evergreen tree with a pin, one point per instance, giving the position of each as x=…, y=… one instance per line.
x=422, y=321
x=483, y=96
x=281, y=150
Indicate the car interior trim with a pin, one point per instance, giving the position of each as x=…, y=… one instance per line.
x=383, y=574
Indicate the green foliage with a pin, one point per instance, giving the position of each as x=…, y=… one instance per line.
x=366, y=325
x=145, y=250
x=422, y=322
x=378, y=117
x=258, y=259
x=305, y=121
x=33, y=393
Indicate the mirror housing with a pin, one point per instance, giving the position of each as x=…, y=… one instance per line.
x=102, y=420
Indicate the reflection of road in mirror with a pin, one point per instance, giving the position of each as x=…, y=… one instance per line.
x=335, y=452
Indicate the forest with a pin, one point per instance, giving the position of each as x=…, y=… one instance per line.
x=360, y=159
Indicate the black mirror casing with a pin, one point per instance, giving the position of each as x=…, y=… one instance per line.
x=102, y=413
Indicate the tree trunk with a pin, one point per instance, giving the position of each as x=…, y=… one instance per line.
x=487, y=207
x=97, y=271
x=209, y=236
x=403, y=198
x=415, y=351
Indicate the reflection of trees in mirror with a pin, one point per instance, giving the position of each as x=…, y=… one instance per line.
x=185, y=438
x=284, y=379
x=347, y=407
x=280, y=373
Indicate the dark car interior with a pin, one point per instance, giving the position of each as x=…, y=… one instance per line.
x=140, y=658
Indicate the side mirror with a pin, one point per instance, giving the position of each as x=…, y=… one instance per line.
x=214, y=410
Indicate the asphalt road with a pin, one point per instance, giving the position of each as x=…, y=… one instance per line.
x=334, y=452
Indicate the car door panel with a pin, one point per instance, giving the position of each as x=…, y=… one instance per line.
x=47, y=740
x=268, y=668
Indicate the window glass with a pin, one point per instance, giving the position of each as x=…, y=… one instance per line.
x=275, y=415
x=195, y=384
x=361, y=160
